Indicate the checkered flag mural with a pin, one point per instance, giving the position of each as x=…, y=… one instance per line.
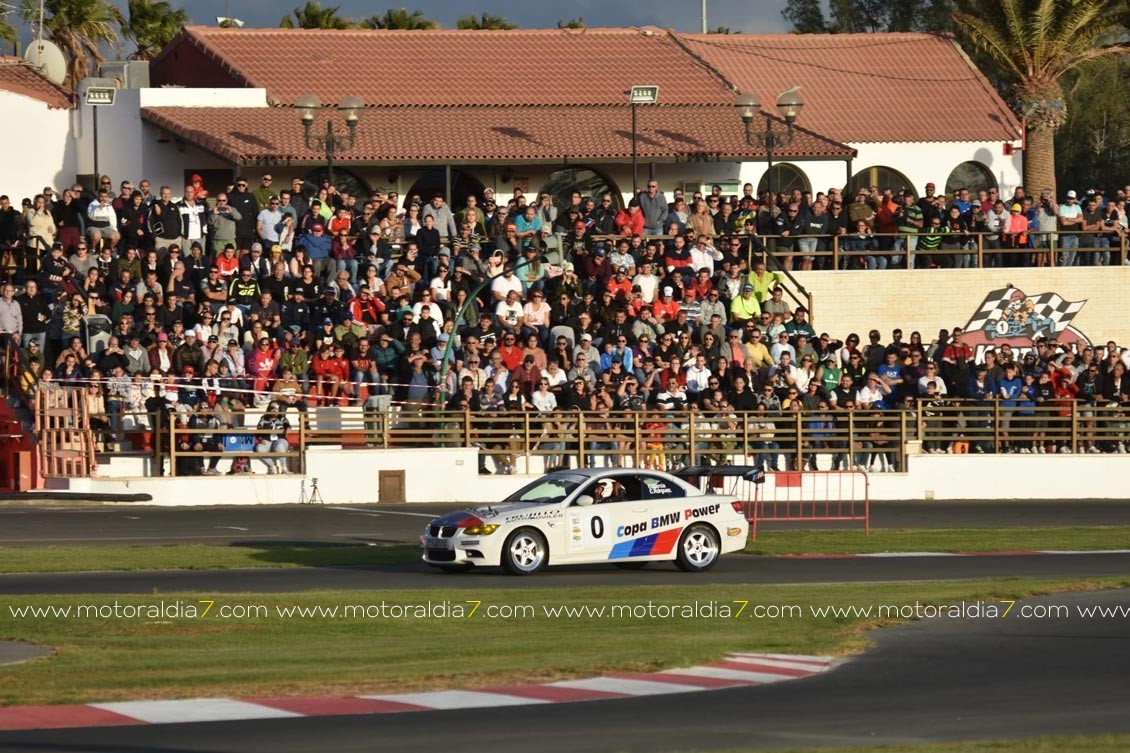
x=1047, y=306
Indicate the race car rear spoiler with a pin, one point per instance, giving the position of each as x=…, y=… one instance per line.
x=747, y=472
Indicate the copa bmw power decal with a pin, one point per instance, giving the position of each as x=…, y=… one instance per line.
x=656, y=543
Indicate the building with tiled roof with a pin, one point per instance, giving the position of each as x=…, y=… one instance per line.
x=36, y=111
x=456, y=111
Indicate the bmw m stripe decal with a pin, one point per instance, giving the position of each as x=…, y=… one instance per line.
x=656, y=543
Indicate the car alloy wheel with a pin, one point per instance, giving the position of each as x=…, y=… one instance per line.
x=698, y=549
x=525, y=552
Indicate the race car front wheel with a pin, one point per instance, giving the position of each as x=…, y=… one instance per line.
x=698, y=549
x=525, y=552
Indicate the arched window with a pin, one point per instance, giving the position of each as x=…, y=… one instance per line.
x=786, y=177
x=562, y=183
x=882, y=177
x=972, y=175
x=431, y=184
x=343, y=181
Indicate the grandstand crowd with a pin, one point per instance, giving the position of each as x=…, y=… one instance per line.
x=297, y=297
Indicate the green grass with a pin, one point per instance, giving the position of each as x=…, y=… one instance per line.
x=63, y=559
x=122, y=658
x=940, y=540
x=1057, y=744
x=59, y=559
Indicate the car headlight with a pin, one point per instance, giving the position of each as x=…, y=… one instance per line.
x=486, y=529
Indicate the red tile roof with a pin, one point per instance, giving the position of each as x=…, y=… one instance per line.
x=866, y=87
x=448, y=67
x=487, y=134
x=17, y=76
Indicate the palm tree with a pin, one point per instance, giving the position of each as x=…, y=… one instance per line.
x=1036, y=42
x=9, y=35
x=487, y=21
x=152, y=25
x=80, y=28
x=573, y=23
x=314, y=16
x=400, y=18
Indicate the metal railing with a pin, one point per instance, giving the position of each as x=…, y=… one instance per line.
x=187, y=443
x=787, y=441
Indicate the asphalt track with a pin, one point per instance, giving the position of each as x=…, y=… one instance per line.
x=351, y=524
x=938, y=679
x=733, y=569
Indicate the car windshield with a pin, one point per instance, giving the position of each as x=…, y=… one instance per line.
x=546, y=491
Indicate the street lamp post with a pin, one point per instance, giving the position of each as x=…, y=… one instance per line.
x=639, y=95
x=789, y=104
x=351, y=107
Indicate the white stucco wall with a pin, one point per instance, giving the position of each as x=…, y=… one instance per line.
x=36, y=149
x=932, y=163
x=351, y=477
x=128, y=148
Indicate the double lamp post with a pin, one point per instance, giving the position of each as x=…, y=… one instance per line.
x=789, y=104
x=351, y=107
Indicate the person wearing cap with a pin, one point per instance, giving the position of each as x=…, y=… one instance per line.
x=528, y=374
x=188, y=354
x=319, y=247
x=861, y=209
x=745, y=307
x=619, y=285
x=161, y=354
x=260, y=264
x=630, y=220
x=327, y=306
x=244, y=291
x=666, y=308
x=1070, y=219
x=1015, y=233
x=273, y=427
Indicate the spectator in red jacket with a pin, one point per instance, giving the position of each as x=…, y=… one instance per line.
x=367, y=310
x=630, y=221
x=263, y=365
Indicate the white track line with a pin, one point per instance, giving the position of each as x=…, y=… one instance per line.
x=193, y=710
x=722, y=673
x=626, y=686
x=803, y=666
x=457, y=699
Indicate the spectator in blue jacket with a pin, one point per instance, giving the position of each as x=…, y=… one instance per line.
x=318, y=244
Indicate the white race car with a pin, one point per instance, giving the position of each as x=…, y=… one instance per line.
x=627, y=517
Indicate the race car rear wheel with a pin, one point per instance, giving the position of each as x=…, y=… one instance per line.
x=698, y=549
x=525, y=552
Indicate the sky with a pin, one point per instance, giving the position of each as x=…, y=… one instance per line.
x=748, y=16
x=683, y=15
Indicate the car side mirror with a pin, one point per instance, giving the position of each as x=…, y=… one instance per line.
x=585, y=500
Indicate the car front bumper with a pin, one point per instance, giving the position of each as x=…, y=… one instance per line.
x=458, y=550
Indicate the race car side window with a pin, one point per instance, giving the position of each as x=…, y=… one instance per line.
x=653, y=487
